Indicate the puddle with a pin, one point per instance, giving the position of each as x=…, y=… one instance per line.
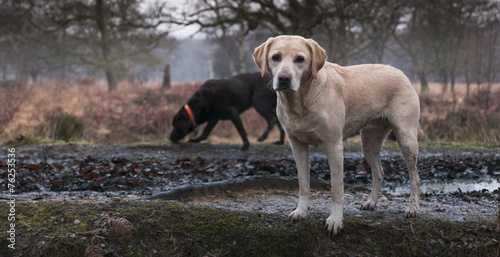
x=446, y=187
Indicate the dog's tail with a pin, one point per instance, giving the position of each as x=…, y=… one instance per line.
x=420, y=133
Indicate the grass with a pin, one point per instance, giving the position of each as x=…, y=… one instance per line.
x=449, y=147
x=174, y=229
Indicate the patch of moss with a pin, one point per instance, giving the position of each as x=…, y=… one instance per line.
x=151, y=143
x=34, y=140
x=457, y=147
x=169, y=228
x=58, y=218
x=23, y=140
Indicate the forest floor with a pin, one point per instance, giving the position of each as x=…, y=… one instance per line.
x=215, y=200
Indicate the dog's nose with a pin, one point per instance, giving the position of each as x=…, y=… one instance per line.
x=284, y=78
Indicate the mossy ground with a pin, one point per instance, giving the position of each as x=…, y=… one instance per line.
x=448, y=147
x=168, y=228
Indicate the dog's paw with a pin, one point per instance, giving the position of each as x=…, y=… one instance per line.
x=261, y=138
x=334, y=225
x=245, y=146
x=298, y=214
x=368, y=205
x=279, y=142
x=194, y=140
x=412, y=212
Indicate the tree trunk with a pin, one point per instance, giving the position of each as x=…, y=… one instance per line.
x=232, y=69
x=241, y=49
x=210, y=64
x=466, y=64
x=423, y=83
x=64, y=64
x=166, y=77
x=452, y=85
x=106, y=49
x=3, y=66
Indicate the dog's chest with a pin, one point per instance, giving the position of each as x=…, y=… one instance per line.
x=309, y=137
x=304, y=128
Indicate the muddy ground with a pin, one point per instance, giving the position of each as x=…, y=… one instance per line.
x=134, y=172
x=222, y=176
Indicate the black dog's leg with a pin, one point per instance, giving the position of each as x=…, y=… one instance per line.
x=269, y=116
x=211, y=124
x=271, y=120
x=235, y=118
x=282, y=134
x=270, y=124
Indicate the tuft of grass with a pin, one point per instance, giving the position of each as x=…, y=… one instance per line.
x=463, y=126
x=61, y=125
x=176, y=99
x=148, y=97
x=465, y=118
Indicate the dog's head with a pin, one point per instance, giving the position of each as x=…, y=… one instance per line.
x=182, y=125
x=290, y=60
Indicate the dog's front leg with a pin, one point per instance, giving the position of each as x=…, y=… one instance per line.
x=335, y=153
x=210, y=125
x=301, y=154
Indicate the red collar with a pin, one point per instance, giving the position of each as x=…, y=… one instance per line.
x=191, y=115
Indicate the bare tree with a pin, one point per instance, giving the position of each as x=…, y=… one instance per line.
x=360, y=30
x=434, y=35
x=348, y=29
x=17, y=48
x=288, y=17
x=100, y=34
x=236, y=19
x=100, y=18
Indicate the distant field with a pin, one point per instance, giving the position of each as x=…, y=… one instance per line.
x=143, y=112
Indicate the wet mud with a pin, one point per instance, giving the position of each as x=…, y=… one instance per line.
x=205, y=174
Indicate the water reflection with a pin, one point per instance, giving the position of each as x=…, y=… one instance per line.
x=446, y=186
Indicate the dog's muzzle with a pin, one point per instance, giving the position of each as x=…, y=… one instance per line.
x=284, y=82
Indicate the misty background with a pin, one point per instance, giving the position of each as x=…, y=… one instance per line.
x=445, y=41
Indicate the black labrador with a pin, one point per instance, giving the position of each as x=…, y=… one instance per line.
x=226, y=99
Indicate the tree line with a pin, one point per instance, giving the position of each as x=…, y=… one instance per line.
x=438, y=40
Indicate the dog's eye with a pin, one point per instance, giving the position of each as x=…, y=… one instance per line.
x=299, y=59
x=276, y=58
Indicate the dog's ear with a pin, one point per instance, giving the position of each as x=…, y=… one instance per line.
x=260, y=55
x=318, y=57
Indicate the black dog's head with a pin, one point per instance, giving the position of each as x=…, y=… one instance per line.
x=182, y=125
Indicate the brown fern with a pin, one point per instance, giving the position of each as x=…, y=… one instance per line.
x=93, y=251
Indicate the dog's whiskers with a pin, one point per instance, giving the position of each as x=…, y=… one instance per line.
x=269, y=85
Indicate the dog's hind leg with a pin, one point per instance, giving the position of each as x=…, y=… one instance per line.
x=235, y=118
x=406, y=135
x=371, y=142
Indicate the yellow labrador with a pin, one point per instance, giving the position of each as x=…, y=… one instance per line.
x=322, y=103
